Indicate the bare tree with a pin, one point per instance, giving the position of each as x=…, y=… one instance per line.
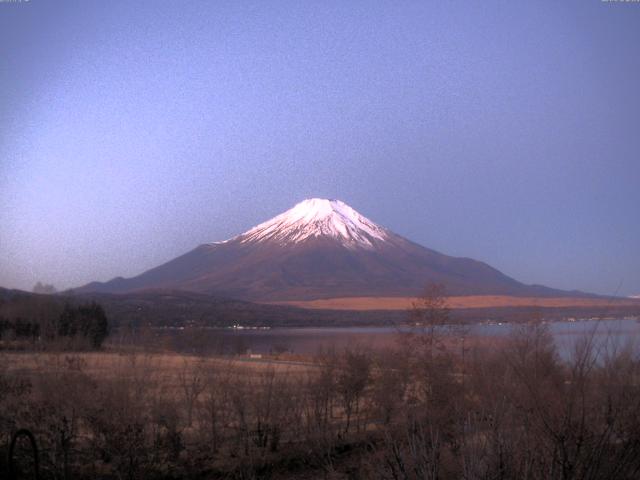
x=191, y=378
x=46, y=289
x=353, y=378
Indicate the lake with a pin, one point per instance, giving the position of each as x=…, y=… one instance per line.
x=609, y=332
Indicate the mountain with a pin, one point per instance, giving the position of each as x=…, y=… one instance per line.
x=320, y=249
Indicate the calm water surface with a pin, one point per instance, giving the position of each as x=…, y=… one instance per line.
x=610, y=333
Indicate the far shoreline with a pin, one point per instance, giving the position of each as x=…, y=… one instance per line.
x=457, y=302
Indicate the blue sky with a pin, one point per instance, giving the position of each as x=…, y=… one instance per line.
x=130, y=132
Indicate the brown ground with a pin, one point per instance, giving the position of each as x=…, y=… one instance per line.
x=112, y=363
x=472, y=301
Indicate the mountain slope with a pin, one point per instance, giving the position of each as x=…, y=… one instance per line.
x=319, y=249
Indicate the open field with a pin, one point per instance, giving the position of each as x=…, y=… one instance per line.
x=167, y=365
x=458, y=302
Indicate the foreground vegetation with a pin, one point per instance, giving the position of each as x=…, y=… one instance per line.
x=429, y=408
x=43, y=322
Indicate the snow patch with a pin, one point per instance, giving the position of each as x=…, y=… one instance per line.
x=318, y=217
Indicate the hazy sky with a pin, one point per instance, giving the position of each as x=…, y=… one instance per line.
x=509, y=132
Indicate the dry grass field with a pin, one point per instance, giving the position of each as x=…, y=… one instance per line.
x=471, y=301
x=429, y=403
x=167, y=366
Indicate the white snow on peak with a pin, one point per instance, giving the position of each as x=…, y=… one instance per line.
x=317, y=217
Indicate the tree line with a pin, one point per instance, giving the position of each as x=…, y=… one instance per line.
x=45, y=323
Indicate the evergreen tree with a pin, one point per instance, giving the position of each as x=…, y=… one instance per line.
x=94, y=324
x=67, y=323
x=89, y=321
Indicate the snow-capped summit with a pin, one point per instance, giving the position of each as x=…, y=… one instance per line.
x=318, y=217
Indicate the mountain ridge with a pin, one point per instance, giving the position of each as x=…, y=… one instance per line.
x=319, y=249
